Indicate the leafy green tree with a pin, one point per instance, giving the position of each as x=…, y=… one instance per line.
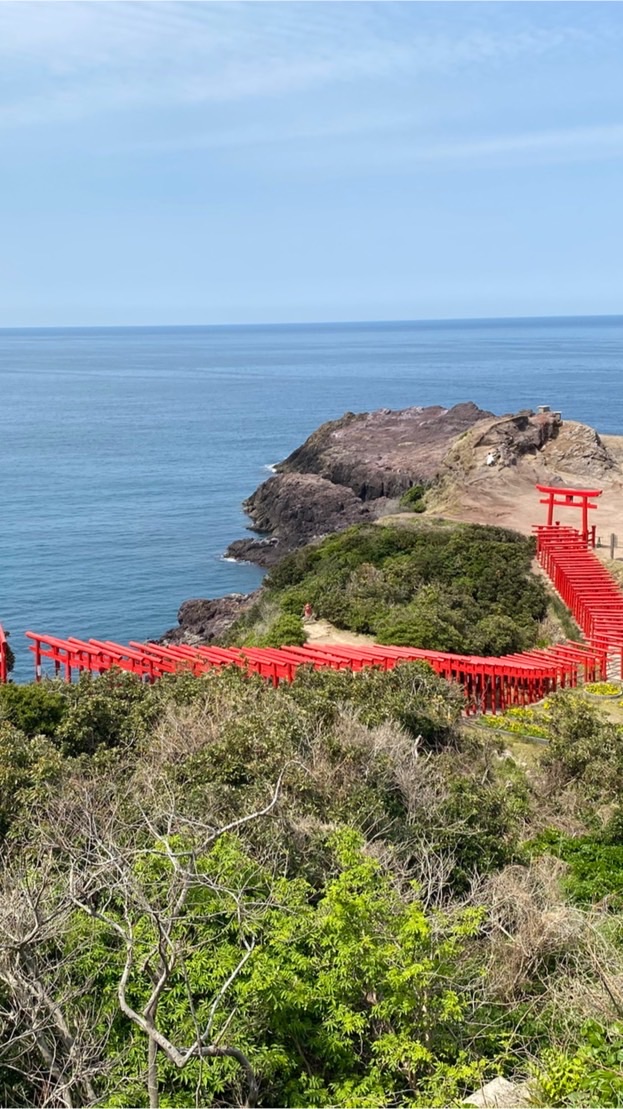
x=211, y=979
x=355, y=996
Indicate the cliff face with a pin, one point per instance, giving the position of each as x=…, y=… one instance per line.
x=345, y=472
x=305, y=502
x=291, y=509
x=201, y=621
x=384, y=453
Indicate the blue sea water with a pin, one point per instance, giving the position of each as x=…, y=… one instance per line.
x=125, y=452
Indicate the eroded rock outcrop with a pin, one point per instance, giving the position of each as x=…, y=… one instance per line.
x=346, y=472
x=383, y=453
x=546, y=446
x=201, y=621
x=579, y=449
x=512, y=437
x=295, y=509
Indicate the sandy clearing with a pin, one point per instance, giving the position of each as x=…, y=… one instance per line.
x=506, y=495
x=322, y=632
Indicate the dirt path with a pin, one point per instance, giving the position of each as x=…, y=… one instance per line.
x=322, y=632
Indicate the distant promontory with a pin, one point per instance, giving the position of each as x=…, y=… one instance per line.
x=472, y=466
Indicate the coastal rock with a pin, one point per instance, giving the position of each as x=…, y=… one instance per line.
x=203, y=620
x=346, y=472
x=383, y=453
x=502, y=441
x=579, y=449
x=263, y=552
x=296, y=509
x=554, y=448
x=477, y=466
x=512, y=437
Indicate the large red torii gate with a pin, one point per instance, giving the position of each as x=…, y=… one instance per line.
x=571, y=498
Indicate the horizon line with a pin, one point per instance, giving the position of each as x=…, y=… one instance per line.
x=310, y=323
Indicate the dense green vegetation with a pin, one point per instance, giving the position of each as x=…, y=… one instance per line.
x=462, y=588
x=215, y=893
x=413, y=499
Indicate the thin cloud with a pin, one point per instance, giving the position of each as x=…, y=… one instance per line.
x=578, y=141
x=402, y=148
x=78, y=60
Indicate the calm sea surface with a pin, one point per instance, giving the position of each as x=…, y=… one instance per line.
x=125, y=453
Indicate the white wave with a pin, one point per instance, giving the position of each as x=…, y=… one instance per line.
x=271, y=467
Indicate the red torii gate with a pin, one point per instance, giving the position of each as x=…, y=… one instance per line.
x=570, y=498
x=4, y=657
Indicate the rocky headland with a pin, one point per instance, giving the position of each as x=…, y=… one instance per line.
x=475, y=466
x=347, y=472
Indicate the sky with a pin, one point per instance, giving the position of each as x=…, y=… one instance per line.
x=215, y=163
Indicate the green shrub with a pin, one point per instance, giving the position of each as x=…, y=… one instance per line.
x=604, y=689
x=413, y=499
x=36, y=709
x=412, y=695
x=584, y=747
x=287, y=629
x=26, y=765
x=502, y=635
x=281, y=631
x=108, y=710
x=464, y=588
x=595, y=866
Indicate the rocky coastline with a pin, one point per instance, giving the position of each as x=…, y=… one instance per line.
x=355, y=469
x=348, y=472
x=203, y=620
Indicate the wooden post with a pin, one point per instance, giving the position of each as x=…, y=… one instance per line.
x=613, y=543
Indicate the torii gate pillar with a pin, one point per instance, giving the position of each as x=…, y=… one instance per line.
x=559, y=496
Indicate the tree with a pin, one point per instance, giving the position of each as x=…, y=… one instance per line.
x=51, y=1055
x=141, y=872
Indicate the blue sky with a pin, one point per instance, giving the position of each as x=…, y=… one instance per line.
x=262, y=162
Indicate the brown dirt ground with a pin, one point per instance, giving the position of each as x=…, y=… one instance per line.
x=507, y=497
x=324, y=633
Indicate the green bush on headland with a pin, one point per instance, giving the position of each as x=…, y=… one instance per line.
x=413, y=499
x=465, y=588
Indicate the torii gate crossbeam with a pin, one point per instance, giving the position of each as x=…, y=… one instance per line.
x=560, y=496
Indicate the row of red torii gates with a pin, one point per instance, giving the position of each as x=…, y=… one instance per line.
x=490, y=684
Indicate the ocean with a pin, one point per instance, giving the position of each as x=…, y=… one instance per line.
x=125, y=452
